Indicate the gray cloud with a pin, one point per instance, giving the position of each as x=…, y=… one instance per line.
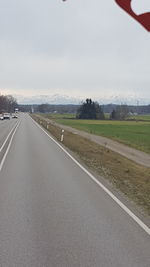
x=80, y=47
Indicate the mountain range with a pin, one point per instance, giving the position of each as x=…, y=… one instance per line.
x=58, y=99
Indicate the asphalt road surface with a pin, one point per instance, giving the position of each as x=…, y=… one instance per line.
x=5, y=128
x=53, y=215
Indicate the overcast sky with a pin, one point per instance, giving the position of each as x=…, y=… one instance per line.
x=77, y=48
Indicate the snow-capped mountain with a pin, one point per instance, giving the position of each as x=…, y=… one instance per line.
x=50, y=99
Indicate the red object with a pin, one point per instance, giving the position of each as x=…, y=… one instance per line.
x=143, y=19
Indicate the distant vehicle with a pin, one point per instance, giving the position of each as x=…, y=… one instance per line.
x=1, y=117
x=14, y=116
x=6, y=116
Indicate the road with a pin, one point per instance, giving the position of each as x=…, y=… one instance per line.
x=5, y=128
x=53, y=215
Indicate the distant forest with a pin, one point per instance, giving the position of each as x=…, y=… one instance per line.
x=48, y=108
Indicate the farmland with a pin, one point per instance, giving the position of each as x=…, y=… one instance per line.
x=134, y=133
x=140, y=117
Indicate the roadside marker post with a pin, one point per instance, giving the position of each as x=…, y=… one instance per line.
x=62, y=136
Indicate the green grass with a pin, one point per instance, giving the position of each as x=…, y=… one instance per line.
x=140, y=117
x=56, y=116
x=132, y=133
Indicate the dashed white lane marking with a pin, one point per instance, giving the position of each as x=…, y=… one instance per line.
x=7, y=138
x=9, y=145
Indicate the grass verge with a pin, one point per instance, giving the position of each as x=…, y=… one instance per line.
x=130, y=178
x=131, y=133
x=134, y=133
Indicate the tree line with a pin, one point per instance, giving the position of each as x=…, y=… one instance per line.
x=90, y=110
x=7, y=103
x=87, y=110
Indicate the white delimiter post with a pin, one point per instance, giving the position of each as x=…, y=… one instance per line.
x=62, y=135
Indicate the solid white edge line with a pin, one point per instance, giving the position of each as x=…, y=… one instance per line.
x=7, y=137
x=127, y=210
x=9, y=145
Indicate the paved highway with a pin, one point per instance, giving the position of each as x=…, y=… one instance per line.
x=5, y=128
x=53, y=215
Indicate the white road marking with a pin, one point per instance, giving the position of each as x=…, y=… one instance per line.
x=127, y=210
x=9, y=145
x=7, y=138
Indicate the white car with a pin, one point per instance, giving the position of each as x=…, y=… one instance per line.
x=14, y=116
x=6, y=116
x=1, y=117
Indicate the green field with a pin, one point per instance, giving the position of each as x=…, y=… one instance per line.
x=134, y=133
x=56, y=116
x=140, y=117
